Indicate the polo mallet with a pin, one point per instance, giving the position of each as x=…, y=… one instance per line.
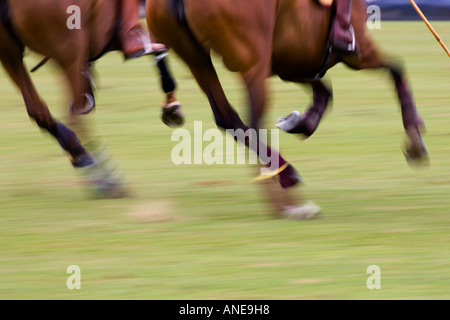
x=416, y=7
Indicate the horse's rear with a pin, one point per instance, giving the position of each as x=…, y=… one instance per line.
x=47, y=28
x=301, y=48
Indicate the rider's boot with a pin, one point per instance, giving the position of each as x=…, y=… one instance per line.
x=134, y=38
x=342, y=35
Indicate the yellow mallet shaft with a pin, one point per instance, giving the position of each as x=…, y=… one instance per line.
x=416, y=7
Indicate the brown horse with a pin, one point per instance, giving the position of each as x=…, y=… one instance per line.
x=258, y=39
x=46, y=27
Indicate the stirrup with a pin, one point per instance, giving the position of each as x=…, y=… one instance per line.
x=352, y=46
x=148, y=44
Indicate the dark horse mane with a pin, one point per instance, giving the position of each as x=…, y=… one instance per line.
x=178, y=9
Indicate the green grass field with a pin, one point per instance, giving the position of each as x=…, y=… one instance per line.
x=204, y=231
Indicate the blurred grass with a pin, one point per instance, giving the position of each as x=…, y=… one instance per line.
x=203, y=232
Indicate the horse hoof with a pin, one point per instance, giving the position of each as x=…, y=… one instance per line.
x=106, y=182
x=289, y=123
x=84, y=160
x=105, y=189
x=289, y=177
x=172, y=115
x=89, y=105
x=416, y=152
x=306, y=211
x=298, y=123
x=417, y=159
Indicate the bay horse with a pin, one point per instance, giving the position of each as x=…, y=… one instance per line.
x=259, y=39
x=42, y=26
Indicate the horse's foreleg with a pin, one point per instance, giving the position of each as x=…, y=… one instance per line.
x=277, y=172
x=105, y=178
x=81, y=84
x=77, y=74
x=39, y=111
x=275, y=164
x=307, y=123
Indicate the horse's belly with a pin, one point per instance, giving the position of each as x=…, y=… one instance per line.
x=297, y=68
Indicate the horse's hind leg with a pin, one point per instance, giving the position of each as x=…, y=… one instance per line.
x=38, y=110
x=307, y=123
x=255, y=80
x=172, y=115
x=286, y=202
x=415, y=150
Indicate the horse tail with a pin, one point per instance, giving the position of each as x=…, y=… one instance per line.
x=5, y=20
x=178, y=9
